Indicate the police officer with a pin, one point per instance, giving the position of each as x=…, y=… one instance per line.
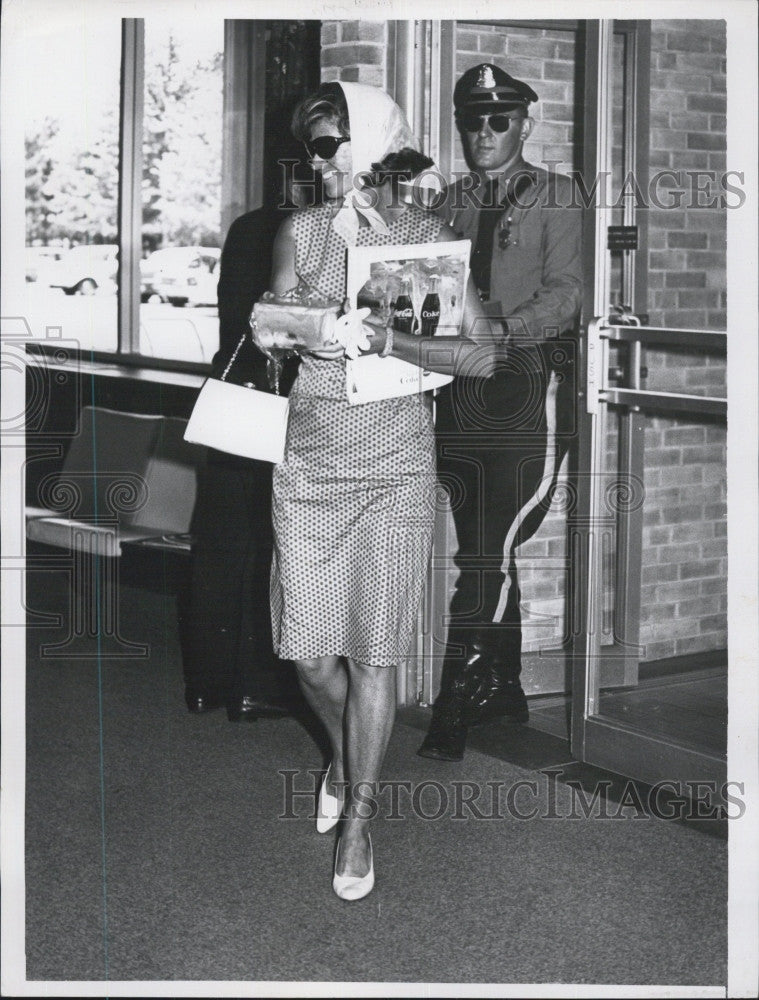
x=501, y=440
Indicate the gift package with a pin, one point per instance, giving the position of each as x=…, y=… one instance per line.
x=297, y=320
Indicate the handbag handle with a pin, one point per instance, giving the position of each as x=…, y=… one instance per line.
x=233, y=358
x=271, y=363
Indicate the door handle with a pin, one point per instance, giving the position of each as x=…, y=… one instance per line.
x=618, y=373
x=624, y=316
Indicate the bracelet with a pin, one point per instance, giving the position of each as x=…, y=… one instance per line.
x=387, y=349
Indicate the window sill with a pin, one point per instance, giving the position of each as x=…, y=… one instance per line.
x=190, y=376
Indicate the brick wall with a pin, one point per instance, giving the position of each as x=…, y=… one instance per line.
x=684, y=573
x=354, y=51
x=688, y=108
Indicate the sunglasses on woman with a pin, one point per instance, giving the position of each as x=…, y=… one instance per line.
x=325, y=146
x=473, y=123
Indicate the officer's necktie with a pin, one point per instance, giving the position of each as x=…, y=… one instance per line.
x=483, y=248
x=490, y=215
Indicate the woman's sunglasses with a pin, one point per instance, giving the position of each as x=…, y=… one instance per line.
x=325, y=146
x=473, y=123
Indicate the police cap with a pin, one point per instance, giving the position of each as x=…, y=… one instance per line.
x=487, y=88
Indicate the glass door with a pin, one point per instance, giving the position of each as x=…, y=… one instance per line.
x=648, y=534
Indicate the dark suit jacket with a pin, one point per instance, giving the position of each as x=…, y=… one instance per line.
x=245, y=274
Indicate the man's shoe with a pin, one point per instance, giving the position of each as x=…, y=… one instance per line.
x=444, y=744
x=200, y=700
x=248, y=709
x=502, y=700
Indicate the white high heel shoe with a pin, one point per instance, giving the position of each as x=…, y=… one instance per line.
x=329, y=808
x=354, y=886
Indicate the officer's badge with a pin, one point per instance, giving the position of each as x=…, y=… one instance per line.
x=486, y=80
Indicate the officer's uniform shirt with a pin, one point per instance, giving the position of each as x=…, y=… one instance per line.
x=535, y=286
x=536, y=279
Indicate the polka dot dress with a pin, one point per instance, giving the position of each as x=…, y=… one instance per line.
x=353, y=500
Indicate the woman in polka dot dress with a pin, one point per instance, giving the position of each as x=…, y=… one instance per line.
x=353, y=500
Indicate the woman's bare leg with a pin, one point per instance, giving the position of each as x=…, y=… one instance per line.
x=324, y=682
x=369, y=717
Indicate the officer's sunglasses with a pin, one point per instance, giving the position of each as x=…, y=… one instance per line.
x=325, y=146
x=473, y=123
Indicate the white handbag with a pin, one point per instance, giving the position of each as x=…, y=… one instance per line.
x=238, y=420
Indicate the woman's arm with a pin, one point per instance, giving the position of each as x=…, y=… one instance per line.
x=475, y=351
x=283, y=274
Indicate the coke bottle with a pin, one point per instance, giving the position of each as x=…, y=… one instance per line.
x=431, y=309
x=404, y=320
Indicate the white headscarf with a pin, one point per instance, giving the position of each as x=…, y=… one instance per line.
x=377, y=127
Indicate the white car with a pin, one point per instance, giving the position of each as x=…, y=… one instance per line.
x=167, y=262
x=83, y=270
x=39, y=258
x=151, y=267
x=184, y=276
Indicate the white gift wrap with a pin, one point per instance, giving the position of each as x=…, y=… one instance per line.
x=291, y=325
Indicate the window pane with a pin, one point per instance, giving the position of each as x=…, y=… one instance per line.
x=181, y=188
x=71, y=163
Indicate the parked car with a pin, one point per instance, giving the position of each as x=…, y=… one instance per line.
x=185, y=275
x=38, y=258
x=153, y=266
x=83, y=270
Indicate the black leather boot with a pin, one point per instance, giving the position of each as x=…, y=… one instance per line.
x=498, y=693
x=498, y=699
x=446, y=739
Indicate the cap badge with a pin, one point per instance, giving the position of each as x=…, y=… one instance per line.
x=486, y=78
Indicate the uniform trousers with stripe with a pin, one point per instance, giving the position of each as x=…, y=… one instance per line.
x=500, y=447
